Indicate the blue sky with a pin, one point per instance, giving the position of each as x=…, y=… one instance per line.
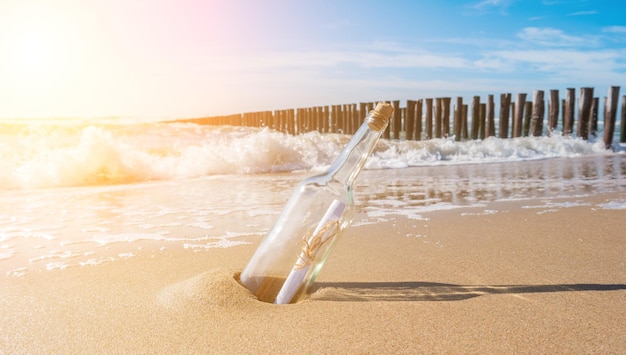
x=187, y=58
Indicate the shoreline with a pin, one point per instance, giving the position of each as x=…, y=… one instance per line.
x=529, y=278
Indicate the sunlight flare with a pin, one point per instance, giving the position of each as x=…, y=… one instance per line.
x=40, y=47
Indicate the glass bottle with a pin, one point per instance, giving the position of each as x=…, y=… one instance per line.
x=291, y=255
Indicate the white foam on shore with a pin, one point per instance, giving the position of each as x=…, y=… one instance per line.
x=613, y=205
x=6, y=252
x=402, y=154
x=221, y=243
x=551, y=204
x=91, y=153
x=107, y=239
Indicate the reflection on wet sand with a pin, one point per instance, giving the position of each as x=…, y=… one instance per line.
x=478, y=183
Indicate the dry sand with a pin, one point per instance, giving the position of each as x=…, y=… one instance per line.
x=519, y=280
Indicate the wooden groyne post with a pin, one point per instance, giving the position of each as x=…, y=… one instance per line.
x=445, y=122
x=396, y=119
x=409, y=120
x=482, y=118
x=593, y=125
x=528, y=111
x=538, y=113
x=568, y=111
x=584, y=112
x=475, y=117
x=623, y=123
x=429, y=119
x=491, y=116
x=464, y=124
x=518, y=117
x=610, y=116
x=438, y=116
x=458, y=116
x=505, y=104
x=418, y=119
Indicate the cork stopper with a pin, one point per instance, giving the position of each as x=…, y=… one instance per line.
x=379, y=117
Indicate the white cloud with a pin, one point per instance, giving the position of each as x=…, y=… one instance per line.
x=409, y=60
x=614, y=29
x=489, y=3
x=554, y=37
x=486, y=3
x=495, y=62
x=485, y=6
x=375, y=56
x=583, y=13
x=558, y=61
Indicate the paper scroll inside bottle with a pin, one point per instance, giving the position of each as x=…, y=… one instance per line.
x=326, y=229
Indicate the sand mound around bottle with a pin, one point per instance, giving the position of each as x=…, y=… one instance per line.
x=215, y=289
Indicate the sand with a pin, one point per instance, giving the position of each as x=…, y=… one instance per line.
x=507, y=277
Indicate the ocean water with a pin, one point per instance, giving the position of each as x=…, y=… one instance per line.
x=75, y=193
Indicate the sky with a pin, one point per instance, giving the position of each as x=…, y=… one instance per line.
x=195, y=58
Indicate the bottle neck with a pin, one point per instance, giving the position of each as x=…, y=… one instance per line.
x=350, y=162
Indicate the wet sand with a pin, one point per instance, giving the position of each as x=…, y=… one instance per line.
x=501, y=277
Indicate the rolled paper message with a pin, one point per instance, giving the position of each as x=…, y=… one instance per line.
x=328, y=226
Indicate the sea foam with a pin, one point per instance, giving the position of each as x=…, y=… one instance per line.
x=38, y=155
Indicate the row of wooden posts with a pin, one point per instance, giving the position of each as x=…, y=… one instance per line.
x=431, y=118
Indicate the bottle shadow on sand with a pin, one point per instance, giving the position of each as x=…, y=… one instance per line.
x=431, y=291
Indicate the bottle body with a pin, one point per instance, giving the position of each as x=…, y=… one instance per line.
x=289, y=246
x=292, y=254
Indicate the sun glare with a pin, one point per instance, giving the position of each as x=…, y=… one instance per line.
x=39, y=50
x=38, y=46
